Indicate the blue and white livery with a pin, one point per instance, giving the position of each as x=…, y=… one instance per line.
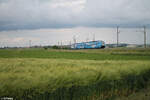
x=89, y=45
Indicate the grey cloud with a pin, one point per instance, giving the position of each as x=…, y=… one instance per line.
x=35, y=14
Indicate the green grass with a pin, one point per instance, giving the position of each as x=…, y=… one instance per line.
x=36, y=74
x=106, y=54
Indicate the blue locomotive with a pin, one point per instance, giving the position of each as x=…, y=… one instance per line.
x=89, y=45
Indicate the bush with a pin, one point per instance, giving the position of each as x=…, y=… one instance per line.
x=55, y=47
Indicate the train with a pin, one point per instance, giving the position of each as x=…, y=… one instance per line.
x=89, y=45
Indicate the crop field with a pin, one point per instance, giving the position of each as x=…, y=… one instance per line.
x=97, y=74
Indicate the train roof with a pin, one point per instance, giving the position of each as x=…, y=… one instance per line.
x=90, y=41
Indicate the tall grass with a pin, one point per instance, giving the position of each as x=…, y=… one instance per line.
x=64, y=79
x=143, y=94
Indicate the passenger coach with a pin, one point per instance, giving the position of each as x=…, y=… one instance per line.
x=89, y=45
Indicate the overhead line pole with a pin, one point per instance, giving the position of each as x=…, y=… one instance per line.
x=29, y=43
x=58, y=43
x=74, y=40
x=61, y=44
x=144, y=36
x=70, y=43
x=93, y=37
x=144, y=31
x=118, y=35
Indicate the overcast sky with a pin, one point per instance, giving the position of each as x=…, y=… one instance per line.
x=50, y=21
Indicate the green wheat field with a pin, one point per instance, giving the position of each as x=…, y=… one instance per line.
x=97, y=74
